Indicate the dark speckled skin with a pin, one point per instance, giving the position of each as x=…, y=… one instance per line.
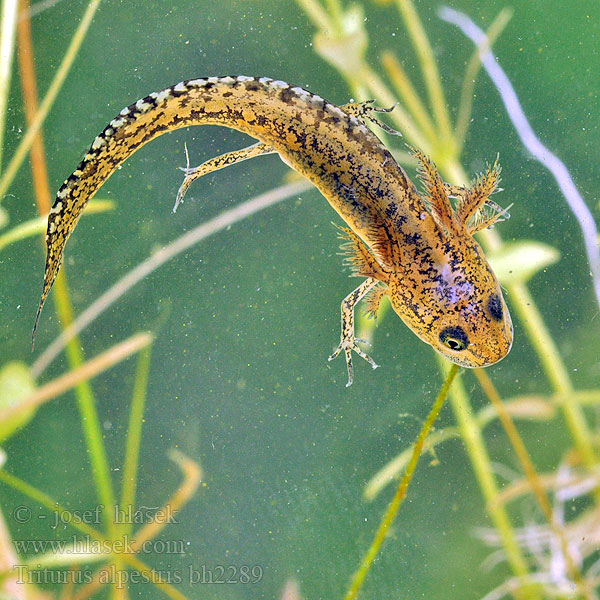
x=435, y=274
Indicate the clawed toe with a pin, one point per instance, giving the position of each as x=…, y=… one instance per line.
x=347, y=346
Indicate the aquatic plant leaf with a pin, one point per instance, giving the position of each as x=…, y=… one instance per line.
x=517, y=262
x=38, y=225
x=16, y=384
x=395, y=467
x=75, y=555
x=346, y=50
x=531, y=407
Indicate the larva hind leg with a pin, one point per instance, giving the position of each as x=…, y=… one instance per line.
x=214, y=164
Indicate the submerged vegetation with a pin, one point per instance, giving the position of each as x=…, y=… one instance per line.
x=554, y=553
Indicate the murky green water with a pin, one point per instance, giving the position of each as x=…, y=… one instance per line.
x=245, y=321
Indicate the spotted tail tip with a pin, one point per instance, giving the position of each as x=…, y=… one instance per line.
x=35, y=324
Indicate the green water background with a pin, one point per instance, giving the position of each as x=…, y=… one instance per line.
x=240, y=380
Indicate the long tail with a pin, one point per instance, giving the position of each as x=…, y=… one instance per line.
x=237, y=102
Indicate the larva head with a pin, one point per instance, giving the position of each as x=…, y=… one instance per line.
x=457, y=307
x=453, y=300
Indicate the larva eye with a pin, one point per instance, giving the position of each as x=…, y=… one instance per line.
x=454, y=338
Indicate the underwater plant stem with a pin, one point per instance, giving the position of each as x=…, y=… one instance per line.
x=7, y=48
x=87, y=410
x=38, y=225
x=334, y=7
x=541, y=339
x=465, y=105
x=134, y=433
x=482, y=467
x=392, y=510
x=83, y=391
x=59, y=78
x=533, y=478
x=408, y=94
x=93, y=367
x=316, y=14
x=429, y=68
x=41, y=182
x=47, y=502
x=555, y=370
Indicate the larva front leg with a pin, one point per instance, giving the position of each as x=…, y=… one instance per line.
x=348, y=342
x=363, y=111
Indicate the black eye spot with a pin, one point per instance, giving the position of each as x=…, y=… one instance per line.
x=454, y=338
x=495, y=307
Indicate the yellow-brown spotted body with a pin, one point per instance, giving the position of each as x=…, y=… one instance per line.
x=417, y=250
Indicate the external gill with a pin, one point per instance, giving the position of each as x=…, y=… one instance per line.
x=474, y=210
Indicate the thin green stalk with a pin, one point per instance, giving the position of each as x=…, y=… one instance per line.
x=38, y=225
x=535, y=482
x=25, y=145
x=555, y=370
x=316, y=14
x=87, y=409
x=394, y=506
x=7, y=48
x=482, y=467
x=46, y=501
x=134, y=432
x=408, y=94
x=429, y=68
x=541, y=339
x=334, y=8
x=465, y=105
x=83, y=391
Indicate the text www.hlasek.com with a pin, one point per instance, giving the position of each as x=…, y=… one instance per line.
x=87, y=545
